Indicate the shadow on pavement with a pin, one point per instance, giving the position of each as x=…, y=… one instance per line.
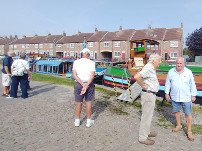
x=36, y=92
x=97, y=108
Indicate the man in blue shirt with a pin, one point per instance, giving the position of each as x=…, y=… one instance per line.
x=6, y=72
x=180, y=88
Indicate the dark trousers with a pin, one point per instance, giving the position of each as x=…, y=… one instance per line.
x=23, y=80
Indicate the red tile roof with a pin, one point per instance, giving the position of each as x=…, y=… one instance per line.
x=122, y=35
x=173, y=34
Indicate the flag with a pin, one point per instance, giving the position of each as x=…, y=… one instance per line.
x=84, y=43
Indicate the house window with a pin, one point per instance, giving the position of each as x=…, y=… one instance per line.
x=71, y=45
x=173, y=43
x=59, y=45
x=36, y=45
x=117, y=54
x=50, y=45
x=15, y=46
x=67, y=54
x=106, y=44
x=11, y=46
x=90, y=44
x=41, y=46
x=27, y=45
x=71, y=53
x=23, y=46
x=91, y=53
x=51, y=53
x=67, y=45
x=173, y=55
x=117, y=44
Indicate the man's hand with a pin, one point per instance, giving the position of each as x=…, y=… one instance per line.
x=9, y=74
x=145, y=86
x=193, y=98
x=85, y=87
x=167, y=97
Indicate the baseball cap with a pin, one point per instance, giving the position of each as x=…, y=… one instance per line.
x=85, y=50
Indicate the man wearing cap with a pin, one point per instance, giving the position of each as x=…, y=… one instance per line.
x=83, y=72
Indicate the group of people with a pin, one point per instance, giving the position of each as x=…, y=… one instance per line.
x=180, y=89
x=11, y=79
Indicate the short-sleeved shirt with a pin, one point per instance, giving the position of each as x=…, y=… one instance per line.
x=149, y=77
x=84, y=67
x=24, y=62
x=7, y=62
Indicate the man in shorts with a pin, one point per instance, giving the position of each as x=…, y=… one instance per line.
x=6, y=73
x=83, y=72
x=180, y=88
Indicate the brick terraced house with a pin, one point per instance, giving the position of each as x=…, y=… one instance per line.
x=103, y=44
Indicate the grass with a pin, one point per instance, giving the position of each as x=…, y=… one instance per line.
x=163, y=123
x=52, y=79
x=197, y=109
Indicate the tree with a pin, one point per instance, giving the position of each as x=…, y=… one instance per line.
x=194, y=41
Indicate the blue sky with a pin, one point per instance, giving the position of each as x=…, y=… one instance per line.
x=30, y=17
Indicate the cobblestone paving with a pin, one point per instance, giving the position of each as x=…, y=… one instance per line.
x=44, y=122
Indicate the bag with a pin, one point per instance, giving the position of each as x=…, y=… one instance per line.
x=18, y=69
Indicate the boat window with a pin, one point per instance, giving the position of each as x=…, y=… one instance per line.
x=45, y=68
x=54, y=69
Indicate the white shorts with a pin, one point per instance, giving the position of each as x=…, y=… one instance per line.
x=6, y=80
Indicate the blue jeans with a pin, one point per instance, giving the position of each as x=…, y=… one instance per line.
x=23, y=80
x=187, y=107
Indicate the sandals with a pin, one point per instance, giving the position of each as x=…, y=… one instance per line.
x=190, y=136
x=177, y=128
x=5, y=95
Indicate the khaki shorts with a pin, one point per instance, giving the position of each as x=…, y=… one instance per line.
x=6, y=80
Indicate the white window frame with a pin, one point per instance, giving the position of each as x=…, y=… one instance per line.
x=117, y=44
x=40, y=45
x=173, y=44
x=72, y=53
x=27, y=45
x=36, y=45
x=67, y=45
x=51, y=53
x=106, y=44
x=90, y=44
x=91, y=53
x=59, y=45
x=71, y=45
x=173, y=54
x=23, y=46
x=50, y=45
x=117, y=54
x=67, y=54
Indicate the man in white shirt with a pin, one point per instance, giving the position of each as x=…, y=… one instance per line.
x=181, y=86
x=83, y=72
x=147, y=79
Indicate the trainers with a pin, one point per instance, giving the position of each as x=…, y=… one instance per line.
x=152, y=134
x=190, y=136
x=77, y=122
x=9, y=97
x=89, y=123
x=177, y=128
x=147, y=142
